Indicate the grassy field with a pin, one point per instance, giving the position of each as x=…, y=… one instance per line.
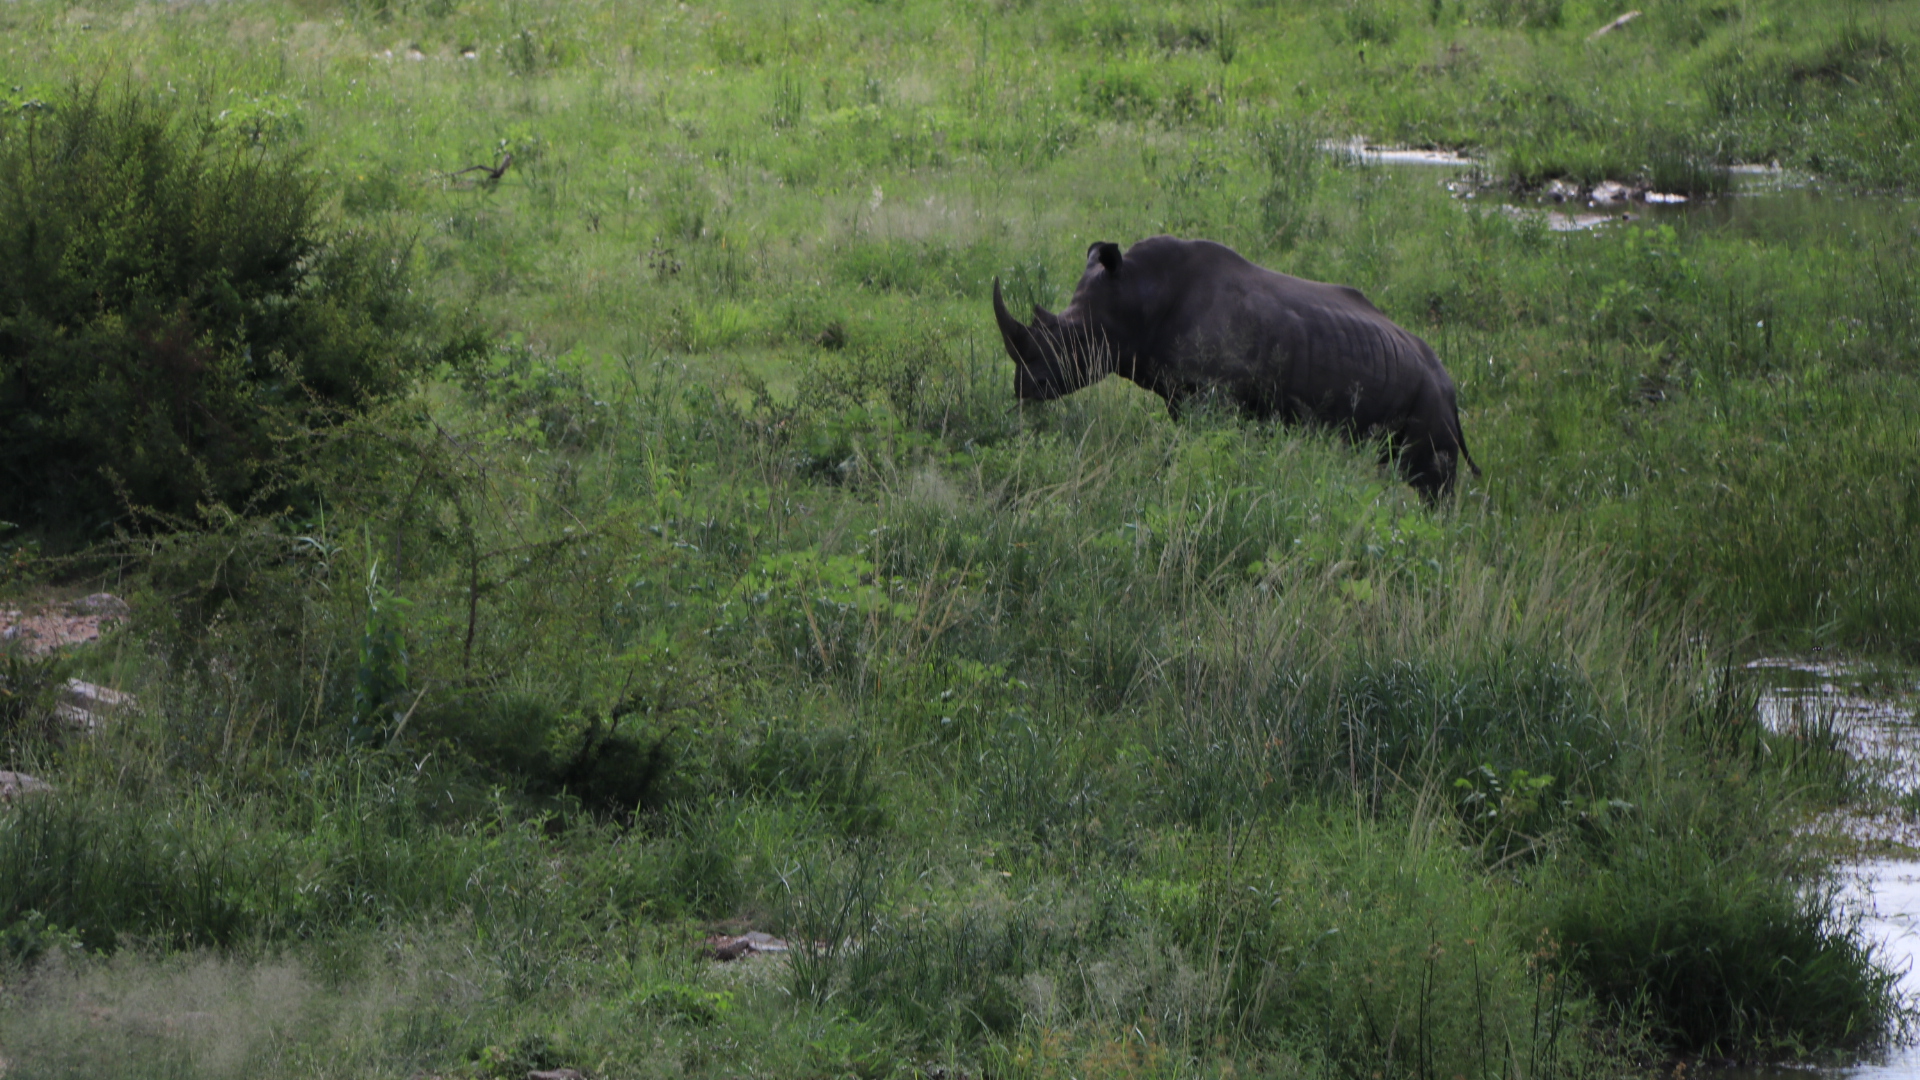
x=727, y=588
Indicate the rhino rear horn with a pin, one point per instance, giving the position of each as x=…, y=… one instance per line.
x=1018, y=339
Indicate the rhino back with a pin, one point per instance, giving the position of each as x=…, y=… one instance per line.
x=1348, y=365
x=1281, y=344
x=1303, y=349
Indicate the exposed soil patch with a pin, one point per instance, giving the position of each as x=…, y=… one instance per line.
x=42, y=630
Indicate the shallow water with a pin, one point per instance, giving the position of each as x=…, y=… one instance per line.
x=1872, y=711
x=1770, y=207
x=1764, y=202
x=1876, y=715
x=1360, y=152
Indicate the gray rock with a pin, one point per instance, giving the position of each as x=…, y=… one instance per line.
x=103, y=604
x=1561, y=191
x=728, y=947
x=1608, y=192
x=88, y=705
x=13, y=784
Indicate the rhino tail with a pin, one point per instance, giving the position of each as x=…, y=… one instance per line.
x=1460, y=433
x=1460, y=437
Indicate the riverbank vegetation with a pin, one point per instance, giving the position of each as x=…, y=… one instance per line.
x=547, y=565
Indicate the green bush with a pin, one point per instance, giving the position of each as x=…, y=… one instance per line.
x=174, y=314
x=1721, y=951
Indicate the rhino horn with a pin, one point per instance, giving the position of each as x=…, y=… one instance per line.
x=1043, y=317
x=1019, y=339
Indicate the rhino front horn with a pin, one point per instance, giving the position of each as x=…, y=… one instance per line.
x=1017, y=338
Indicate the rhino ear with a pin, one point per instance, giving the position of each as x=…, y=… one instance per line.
x=1107, y=255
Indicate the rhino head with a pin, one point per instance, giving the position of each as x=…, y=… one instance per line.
x=1055, y=355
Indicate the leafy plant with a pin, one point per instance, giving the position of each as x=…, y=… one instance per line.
x=175, y=315
x=380, y=679
x=679, y=1002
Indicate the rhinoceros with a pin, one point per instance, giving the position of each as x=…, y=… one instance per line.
x=1183, y=317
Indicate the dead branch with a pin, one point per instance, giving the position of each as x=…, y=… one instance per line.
x=1612, y=26
x=495, y=172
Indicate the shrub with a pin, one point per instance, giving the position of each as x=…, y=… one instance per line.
x=1721, y=952
x=174, y=314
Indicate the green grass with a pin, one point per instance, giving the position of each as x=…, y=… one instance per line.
x=731, y=588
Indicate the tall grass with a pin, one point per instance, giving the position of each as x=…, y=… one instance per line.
x=945, y=716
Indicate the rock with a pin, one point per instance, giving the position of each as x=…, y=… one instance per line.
x=724, y=947
x=96, y=698
x=105, y=605
x=556, y=1074
x=13, y=784
x=88, y=705
x=1609, y=192
x=1561, y=191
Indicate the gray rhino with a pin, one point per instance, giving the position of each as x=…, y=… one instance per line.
x=1181, y=317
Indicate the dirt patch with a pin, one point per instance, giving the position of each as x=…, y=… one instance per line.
x=41, y=630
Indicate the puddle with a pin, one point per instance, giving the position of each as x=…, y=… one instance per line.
x=1565, y=222
x=1765, y=201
